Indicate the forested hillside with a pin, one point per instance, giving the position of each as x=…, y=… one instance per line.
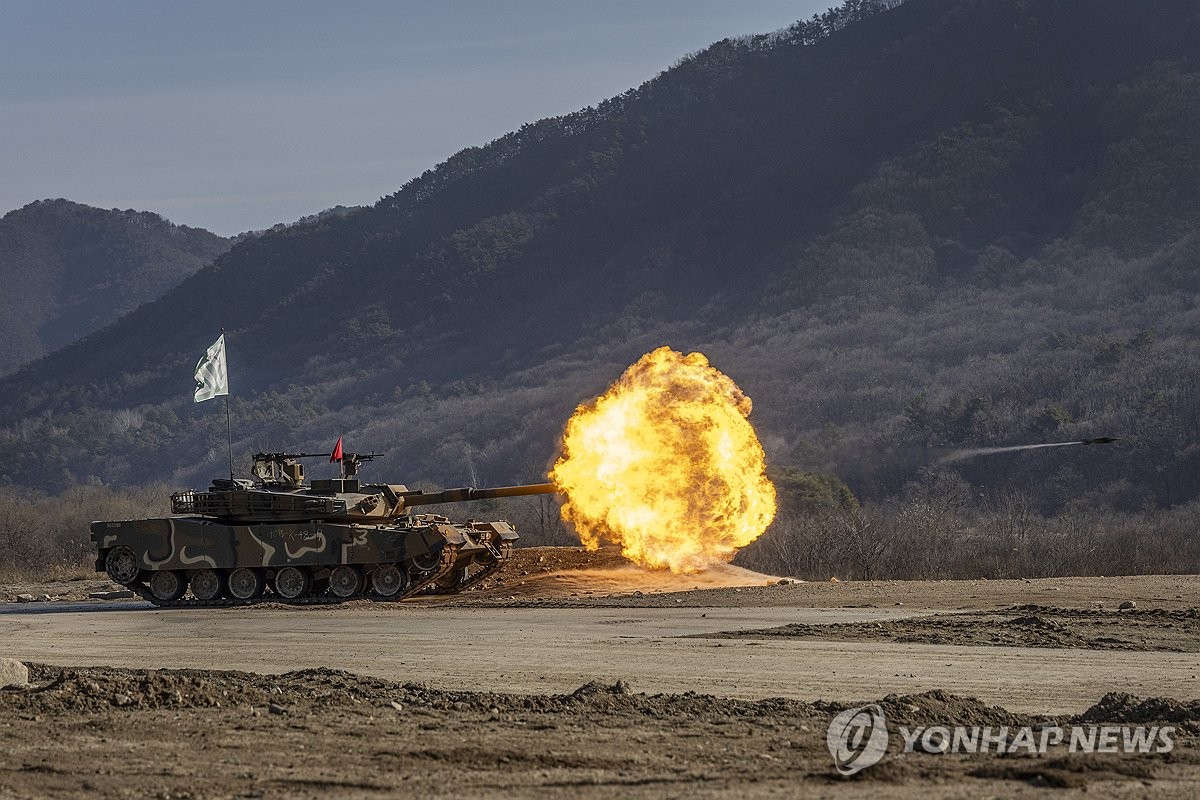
x=69, y=269
x=950, y=224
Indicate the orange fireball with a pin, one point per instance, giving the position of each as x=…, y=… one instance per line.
x=666, y=464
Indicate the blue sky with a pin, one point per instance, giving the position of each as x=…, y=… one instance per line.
x=236, y=115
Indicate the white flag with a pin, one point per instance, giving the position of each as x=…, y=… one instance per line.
x=212, y=376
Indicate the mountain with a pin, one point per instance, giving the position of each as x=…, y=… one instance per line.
x=69, y=270
x=903, y=230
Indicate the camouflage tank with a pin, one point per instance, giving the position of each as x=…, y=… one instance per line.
x=278, y=538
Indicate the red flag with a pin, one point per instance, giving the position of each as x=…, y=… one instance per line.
x=337, y=451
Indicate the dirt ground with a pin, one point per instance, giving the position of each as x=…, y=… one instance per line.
x=575, y=675
x=1172, y=631
x=103, y=732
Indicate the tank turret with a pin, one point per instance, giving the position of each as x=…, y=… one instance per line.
x=281, y=538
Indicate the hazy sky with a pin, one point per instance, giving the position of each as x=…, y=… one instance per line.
x=236, y=115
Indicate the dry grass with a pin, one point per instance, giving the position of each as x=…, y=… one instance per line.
x=923, y=540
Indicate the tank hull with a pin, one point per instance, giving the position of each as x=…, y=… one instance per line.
x=312, y=561
x=188, y=544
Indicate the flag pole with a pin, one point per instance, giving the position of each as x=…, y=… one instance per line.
x=229, y=437
x=228, y=423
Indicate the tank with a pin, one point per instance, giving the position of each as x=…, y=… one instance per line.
x=279, y=538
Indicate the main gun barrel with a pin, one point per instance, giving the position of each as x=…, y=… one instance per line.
x=465, y=494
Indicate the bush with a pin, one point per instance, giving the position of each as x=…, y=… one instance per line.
x=923, y=539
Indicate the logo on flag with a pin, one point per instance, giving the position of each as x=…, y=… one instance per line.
x=212, y=374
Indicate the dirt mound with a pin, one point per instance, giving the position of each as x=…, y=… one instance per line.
x=1148, y=615
x=631, y=578
x=1122, y=708
x=89, y=689
x=57, y=689
x=1034, y=621
x=939, y=707
x=1038, y=626
x=536, y=560
x=562, y=573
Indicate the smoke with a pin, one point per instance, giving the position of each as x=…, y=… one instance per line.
x=963, y=455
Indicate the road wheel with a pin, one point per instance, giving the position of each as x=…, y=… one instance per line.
x=427, y=562
x=388, y=581
x=167, y=585
x=122, y=565
x=293, y=582
x=206, y=584
x=345, y=581
x=245, y=583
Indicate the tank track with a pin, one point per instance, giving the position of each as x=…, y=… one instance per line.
x=144, y=592
x=501, y=555
x=429, y=579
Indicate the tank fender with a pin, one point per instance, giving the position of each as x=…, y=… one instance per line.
x=451, y=534
x=502, y=531
x=151, y=539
